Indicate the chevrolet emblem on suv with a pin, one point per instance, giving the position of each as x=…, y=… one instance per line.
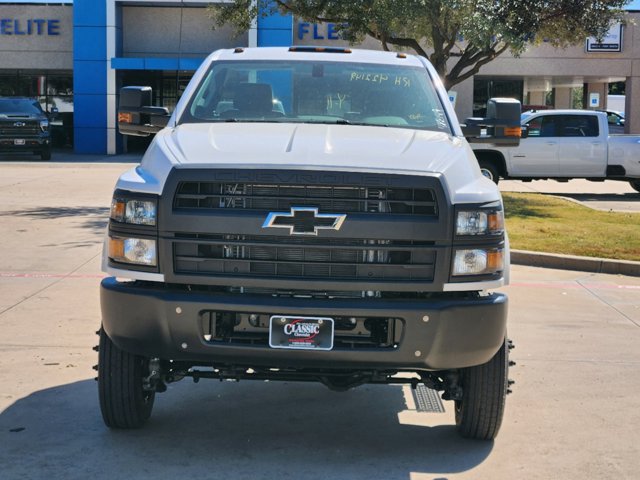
x=304, y=221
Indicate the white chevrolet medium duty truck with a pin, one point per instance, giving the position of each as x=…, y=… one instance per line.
x=307, y=214
x=565, y=144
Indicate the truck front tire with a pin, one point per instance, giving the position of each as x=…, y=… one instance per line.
x=479, y=413
x=123, y=401
x=490, y=171
x=45, y=153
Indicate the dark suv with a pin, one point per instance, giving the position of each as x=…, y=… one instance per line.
x=24, y=126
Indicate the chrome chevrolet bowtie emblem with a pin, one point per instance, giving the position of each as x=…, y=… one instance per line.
x=304, y=221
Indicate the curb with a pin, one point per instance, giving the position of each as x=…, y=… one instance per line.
x=572, y=262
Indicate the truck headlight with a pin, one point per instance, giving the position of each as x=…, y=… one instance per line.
x=44, y=125
x=478, y=261
x=139, y=251
x=134, y=211
x=479, y=222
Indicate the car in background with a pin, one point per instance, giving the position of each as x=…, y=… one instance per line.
x=24, y=127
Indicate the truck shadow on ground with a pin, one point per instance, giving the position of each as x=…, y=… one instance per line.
x=232, y=431
x=92, y=218
x=67, y=155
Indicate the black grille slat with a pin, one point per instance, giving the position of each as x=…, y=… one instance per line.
x=259, y=240
x=20, y=131
x=357, y=262
x=356, y=199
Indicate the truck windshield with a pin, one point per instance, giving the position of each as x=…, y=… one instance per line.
x=317, y=92
x=20, y=105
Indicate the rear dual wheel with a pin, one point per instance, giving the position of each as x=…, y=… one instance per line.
x=123, y=400
x=479, y=413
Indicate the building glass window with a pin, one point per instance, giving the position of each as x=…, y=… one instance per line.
x=51, y=89
x=486, y=88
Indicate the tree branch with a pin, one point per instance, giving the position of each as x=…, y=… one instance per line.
x=401, y=42
x=461, y=77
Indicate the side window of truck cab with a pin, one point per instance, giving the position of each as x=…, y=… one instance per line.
x=543, y=126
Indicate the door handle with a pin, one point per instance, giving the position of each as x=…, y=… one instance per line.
x=551, y=143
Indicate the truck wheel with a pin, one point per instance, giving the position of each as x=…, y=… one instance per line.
x=45, y=153
x=123, y=401
x=490, y=171
x=484, y=389
x=635, y=184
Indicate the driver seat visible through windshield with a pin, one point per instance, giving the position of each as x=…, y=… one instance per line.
x=252, y=100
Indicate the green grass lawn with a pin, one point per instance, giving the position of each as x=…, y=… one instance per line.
x=544, y=223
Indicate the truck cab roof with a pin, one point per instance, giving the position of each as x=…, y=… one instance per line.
x=318, y=54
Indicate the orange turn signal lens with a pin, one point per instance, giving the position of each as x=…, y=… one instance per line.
x=117, y=210
x=495, y=222
x=125, y=117
x=495, y=260
x=116, y=248
x=513, y=132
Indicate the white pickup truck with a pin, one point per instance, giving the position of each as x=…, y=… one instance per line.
x=565, y=144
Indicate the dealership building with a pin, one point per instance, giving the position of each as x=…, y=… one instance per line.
x=76, y=55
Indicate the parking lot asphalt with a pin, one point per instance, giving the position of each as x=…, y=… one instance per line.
x=573, y=414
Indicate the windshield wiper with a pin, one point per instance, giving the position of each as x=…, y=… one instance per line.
x=248, y=120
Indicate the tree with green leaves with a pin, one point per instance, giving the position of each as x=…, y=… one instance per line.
x=457, y=36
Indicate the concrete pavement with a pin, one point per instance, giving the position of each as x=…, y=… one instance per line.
x=608, y=195
x=573, y=414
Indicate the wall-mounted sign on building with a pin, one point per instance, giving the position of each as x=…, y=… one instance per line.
x=453, y=96
x=318, y=31
x=36, y=37
x=31, y=26
x=611, y=43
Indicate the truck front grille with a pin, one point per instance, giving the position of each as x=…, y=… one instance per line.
x=394, y=234
x=27, y=128
x=265, y=256
x=346, y=199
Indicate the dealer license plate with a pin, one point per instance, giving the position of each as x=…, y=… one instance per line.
x=305, y=333
x=18, y=141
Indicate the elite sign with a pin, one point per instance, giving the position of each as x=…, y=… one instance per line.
x=31, y=26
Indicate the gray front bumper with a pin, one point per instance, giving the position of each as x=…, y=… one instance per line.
x=156, y=321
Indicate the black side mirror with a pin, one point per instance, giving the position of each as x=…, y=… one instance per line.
x=136, y=116
x=501, y=125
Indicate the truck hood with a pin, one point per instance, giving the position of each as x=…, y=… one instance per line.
x=350, y=148
x=16, y=116
x=310, y=146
